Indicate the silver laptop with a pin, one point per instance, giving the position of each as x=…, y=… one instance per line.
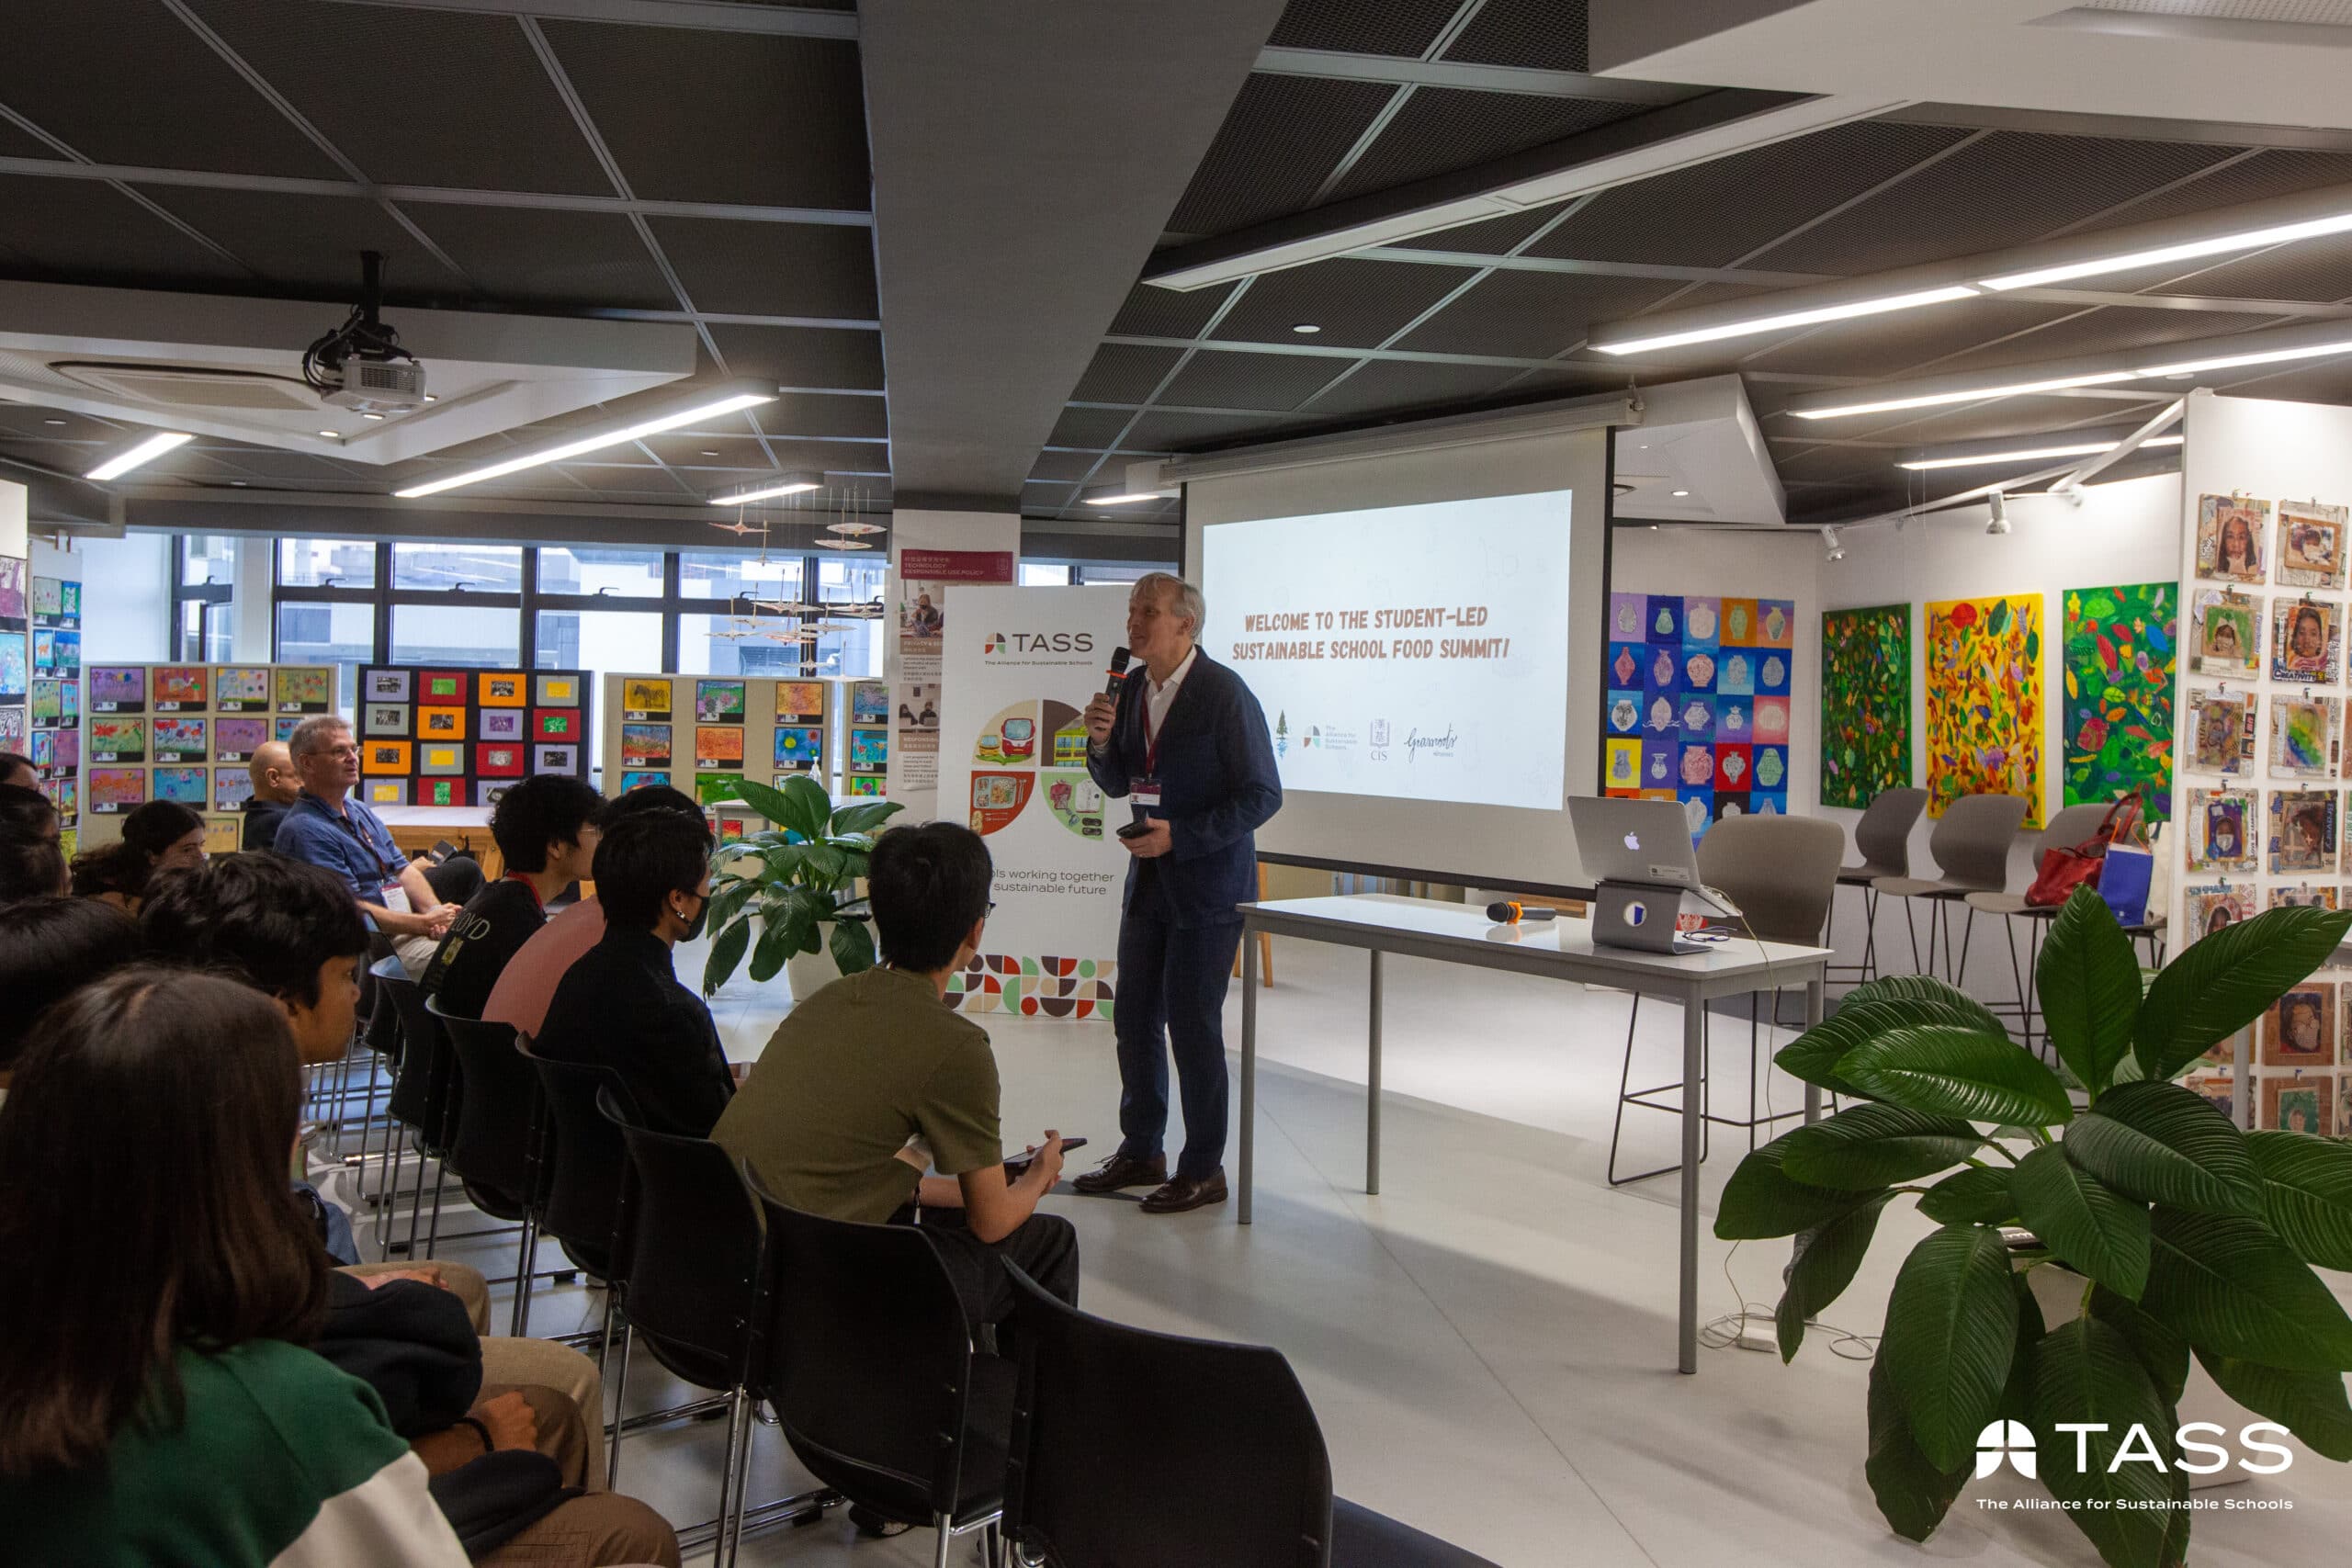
x=1635, y=840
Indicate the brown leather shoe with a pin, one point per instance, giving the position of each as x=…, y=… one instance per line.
x=1184, y=1193
x=1120, y=1170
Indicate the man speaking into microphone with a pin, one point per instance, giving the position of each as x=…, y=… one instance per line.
x=1181, y=738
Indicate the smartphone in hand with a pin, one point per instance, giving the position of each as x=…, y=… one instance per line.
x=1014, y=1167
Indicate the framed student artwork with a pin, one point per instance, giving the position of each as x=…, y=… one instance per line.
x=2212, y=908
x=2306, y=736
x=2229, y=534
x=2302, y=896
x=2307, y=640
x=184, y=733
x=439, y=737
x=2221, y=730
x=2299, y=1028
x=2227, y=628
x=180, y=688
x=2221, y=828
x=2311, y=545
x=2302, y=832
x=2304, y=1102
x=645, y=699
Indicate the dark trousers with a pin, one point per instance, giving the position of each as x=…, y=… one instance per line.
x=1172, y=1000
x=1045, y=1248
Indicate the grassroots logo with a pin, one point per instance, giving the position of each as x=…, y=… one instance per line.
x=995, y=643
x=2005, y=1442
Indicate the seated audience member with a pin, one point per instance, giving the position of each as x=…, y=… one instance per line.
x=17, y=769
x=275, y=784
x=325, y=827
x=545, y=828
x=527, y=983
x=160, y=836
x=156, y=1405
x=290, y=931
x=31, y=864
x=50, y=948
x=878, y=1065
x=621, y=1006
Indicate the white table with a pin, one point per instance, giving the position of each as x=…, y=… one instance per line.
x=1563, y=950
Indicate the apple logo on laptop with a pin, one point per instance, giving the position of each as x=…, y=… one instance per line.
x=1632, y=843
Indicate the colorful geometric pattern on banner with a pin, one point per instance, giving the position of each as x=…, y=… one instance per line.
x=1865, y=704
x=183, y=732
x=2122, y=647
x=433, y=736
x=1983, y=681
x=1036, y=987
x=1697, y=704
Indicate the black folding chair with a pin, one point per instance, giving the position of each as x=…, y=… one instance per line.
x=687, y=1250
x=424, y=1100
x=496, y=1144
x=1228, y=1467
x=867, y=1360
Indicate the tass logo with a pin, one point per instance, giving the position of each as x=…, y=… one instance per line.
x=2005, y=1442
x=1040, y=642
x=995, y=643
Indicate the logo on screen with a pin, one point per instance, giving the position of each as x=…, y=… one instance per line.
x=995, y=643
x=1418, y=745
x=1380, y=732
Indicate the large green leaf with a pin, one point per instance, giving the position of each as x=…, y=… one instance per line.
x=726, y=953
x=1912, y=1493
x=2224, y=982
x=2090, y=1226
x=784, y=860
x=2088, y=983
x=1869, y=1010
x=2234, y=1289
x=727, y=902
x=1826, y=1259
x=2162, y=1350
x=1876, y=1145
x=1921, y=989
x=769, y=953
x=1943, y=1070
x=2016, y=1395
x=2084, y=1373
x=1762, y=1201
x=772, y=803
x=2161, y=1144
x=1978, y=1196
x=1951, y=1331
x=2310, y=1404
x=853, y=946
x=865, y=816
x=2307, y=1194
x=807, y=808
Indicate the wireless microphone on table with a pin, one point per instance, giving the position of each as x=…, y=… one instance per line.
x=1511, y=914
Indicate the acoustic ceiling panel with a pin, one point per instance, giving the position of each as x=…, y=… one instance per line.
x=1356, y=303
x=1160, y=432
x=1488, y=236
x=526, y=256
x=1151, y=311
x=1441, y=128
x=1530, y=314
x=772, y=269
x=1404, y=27
x=690, y=449
x=816, y=415
x=16, y=142
x=476, y=108
x=1215, y=380
x=1282, y=137
x=1088, y=427
x=2107, y=331
x=740, y=118
x=1067, y=467
x=1386, y=386
x=82, y=232
x=125, y=82
x=1906, y=342
x=816, y=357
x=645, y=484
x=1123, y=372
x=310, y=244
x=2314, y=270
x=1712, y=214
x=1546, y=35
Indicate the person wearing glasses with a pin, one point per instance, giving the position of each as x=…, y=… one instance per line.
x=325, y=826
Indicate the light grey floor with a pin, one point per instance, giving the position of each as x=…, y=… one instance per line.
x=1490, y=1342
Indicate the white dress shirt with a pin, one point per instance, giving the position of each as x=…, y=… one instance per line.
x=1160, y=695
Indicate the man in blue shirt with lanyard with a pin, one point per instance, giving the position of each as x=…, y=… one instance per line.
x=326, y=828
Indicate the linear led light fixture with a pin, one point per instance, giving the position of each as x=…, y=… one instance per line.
x=707, y=403
x=1119, y=495
x=2272, y=346
x=147, y=451
x=2248, y=226
x=2029, y=454
x=792, y=481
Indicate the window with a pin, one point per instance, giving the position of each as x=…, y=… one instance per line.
x=705, y=574
x=479, y=637
x=206, y=561
x=858, y=581
x=480, y=569
x=325, y=563
x=1045, y=574
x=328, y=634
x=204, y=597
x=582, y=568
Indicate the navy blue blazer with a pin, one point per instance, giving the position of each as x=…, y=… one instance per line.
x=1217, y=787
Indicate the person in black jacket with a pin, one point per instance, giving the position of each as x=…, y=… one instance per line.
x=620, y=1005
x=545, y=828
x=275, y=784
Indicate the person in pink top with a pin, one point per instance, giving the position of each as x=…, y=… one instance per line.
x=527, y=983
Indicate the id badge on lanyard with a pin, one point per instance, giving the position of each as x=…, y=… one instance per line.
x=393, y=896
x=1143, y=789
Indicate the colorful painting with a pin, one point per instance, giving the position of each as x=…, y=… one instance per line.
x=639, y=779
x=799, y=702
x=13, y=577
x=2209, y=909
x=241, y=688
x=2229, y=534
x=2304, y=897
x=719, y=701
x=1865, y=704
x=644, y=699
x=2221, y=730
x=2306, y=641
x=2304, y=1103
x=2122, y=647
x=304, y=689
x=642, y=745
x=1698, y=703
x=2222, y=825
x=1984, y=679
x=2229, y=633
x=2302, y=831
x=718, y=746
x=2299, y=1028
x=2304, y=736
x=2311, y=545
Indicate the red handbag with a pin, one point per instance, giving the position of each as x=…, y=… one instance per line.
x=2065, y=868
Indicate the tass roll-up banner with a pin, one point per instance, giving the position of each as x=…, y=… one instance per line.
x=1019, y=666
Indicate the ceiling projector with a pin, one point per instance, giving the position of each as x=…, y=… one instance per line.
x=361, y=365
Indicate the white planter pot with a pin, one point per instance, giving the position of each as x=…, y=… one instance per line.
x=808, y=972
x=2061, y=1293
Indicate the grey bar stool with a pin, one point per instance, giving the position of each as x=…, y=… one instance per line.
x=1883, y=837
x=1971, y=849
x=1782, y=872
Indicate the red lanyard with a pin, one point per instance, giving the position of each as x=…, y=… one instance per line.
x=1151, y=739
x=533, y=891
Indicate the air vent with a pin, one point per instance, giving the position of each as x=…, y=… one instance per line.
x=190, y=386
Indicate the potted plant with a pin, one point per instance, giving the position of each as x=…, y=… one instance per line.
x=2196, y=1239
x=792, y=879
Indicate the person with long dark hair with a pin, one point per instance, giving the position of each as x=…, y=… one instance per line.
x=156, y=1403
x=160, y=836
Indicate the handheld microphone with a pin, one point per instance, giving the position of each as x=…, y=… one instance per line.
x=1120, y=660
x=1511, y=914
